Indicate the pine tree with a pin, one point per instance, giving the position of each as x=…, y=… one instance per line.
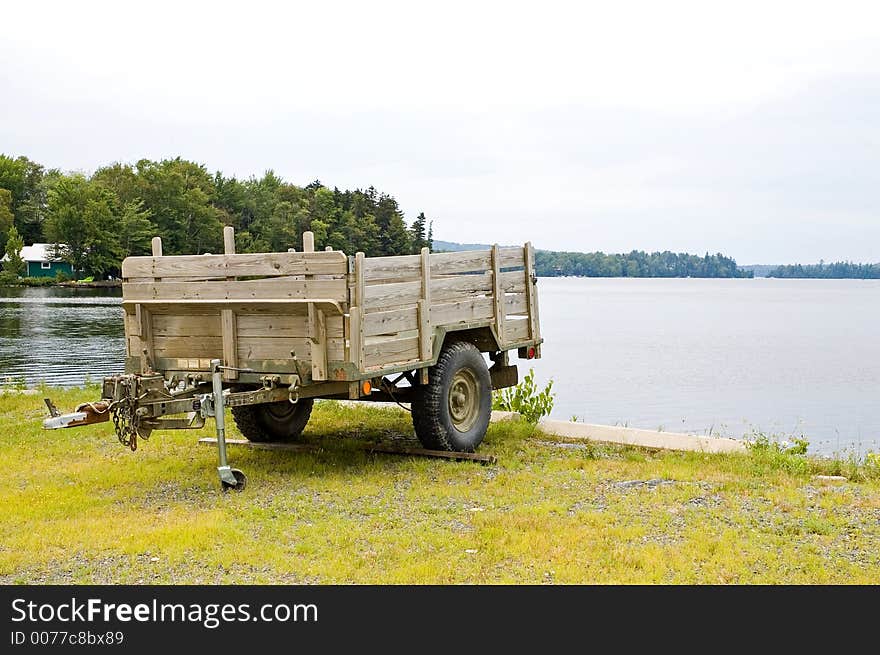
x=417, y=230
x=14, y=244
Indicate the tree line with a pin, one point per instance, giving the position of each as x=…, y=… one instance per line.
x=636, y=264
x=97, y=220
x=837, y=270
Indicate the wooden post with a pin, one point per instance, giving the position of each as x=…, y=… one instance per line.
x=426, y=332
x=531, y=295
x=356, y=313
x=228, y=319
x=308, y=242
x=498, y=294
x=360, y=284
x=145, y=320
x=317, y=325
x=328, y=248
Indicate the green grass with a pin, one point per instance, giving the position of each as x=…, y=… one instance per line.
x=78, y=507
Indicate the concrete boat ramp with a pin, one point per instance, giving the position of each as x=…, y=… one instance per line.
x=632, y=436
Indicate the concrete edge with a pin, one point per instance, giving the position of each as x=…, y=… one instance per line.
x=632, y=436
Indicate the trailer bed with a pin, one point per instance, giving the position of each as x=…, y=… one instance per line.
x=322, y=317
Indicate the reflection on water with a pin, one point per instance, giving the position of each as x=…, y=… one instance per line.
x=60, y=335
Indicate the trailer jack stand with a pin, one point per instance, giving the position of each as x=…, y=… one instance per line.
x=230, y=478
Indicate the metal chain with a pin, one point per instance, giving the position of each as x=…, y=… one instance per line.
x=125, y=422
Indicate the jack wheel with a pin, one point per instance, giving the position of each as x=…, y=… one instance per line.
x=240, y=481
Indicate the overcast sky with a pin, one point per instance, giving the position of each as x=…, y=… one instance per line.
x=747, y=128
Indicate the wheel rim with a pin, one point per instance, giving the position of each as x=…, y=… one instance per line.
x=464, y=399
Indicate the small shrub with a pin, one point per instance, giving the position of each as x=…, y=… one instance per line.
x=16, y=382
x=8, y=279
x=63, y=276
x=771, y=453
x=525, y=399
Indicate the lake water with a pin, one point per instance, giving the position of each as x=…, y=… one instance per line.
x=793, y=357
x=724, y=357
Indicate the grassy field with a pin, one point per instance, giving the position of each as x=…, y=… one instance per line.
x=78, y=507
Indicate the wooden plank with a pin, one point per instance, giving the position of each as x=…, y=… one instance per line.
x=267, y=288
x=531, y=292
x=462, y=311
x=454, y=287
x=513, y=282
x=372, y=448
x=516, y=330
x=253, y=348
x=147, y=350
x=186, y=325
x=380, y=297
x=318, y=345
x=356, y=338
x=407, y=267
x=213, y=305
x=516, y=303
x=283, y=325
x=250, y=264
x=497, y=294
x=391, y=351
x=188, y=347
x=392, y=269
x=133, y=346
x=131, y=322
x=511, y=257
x=451, y=263
x=391, y=322
x=184, y=364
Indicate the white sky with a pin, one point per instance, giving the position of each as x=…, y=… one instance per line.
x=751, y=128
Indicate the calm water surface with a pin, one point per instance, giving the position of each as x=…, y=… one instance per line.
x=59, y=335
x=705, y=356
x=794, y=357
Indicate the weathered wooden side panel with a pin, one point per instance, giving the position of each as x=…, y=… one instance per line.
x=391, y=322
x=471, y=310
x=281, y=347
x=277, y=287
x=516, y=330
x=383, y=352
x=243, y=265
x=374, y=313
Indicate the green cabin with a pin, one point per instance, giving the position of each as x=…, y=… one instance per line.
x=39, y=264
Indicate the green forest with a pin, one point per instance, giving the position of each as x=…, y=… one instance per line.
x=104, y=217
x=837, y=270
x=635, y=264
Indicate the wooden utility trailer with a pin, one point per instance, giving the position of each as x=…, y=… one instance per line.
x=273, y=331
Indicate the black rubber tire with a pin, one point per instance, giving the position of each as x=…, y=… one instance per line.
x=281, y=421
x=431, y=414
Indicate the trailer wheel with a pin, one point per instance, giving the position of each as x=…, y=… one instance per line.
x=452, y=411
x=240, y=482
x=281, y=421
